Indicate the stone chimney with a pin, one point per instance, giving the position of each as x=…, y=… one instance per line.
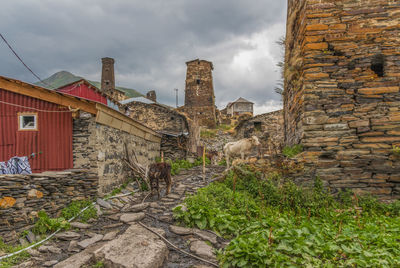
x=107, y=75
x=151, y=95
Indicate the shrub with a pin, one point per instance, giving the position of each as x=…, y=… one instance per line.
x=75, y=207
x=291, y=151
x=273, y=222
x=45, y=224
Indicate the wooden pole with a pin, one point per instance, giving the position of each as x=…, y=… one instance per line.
x=204, y=162
x=162, y=157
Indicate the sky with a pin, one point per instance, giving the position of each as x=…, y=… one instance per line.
x=150, y=41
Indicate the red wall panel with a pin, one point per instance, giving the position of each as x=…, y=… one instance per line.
x=83, y=91
x=53, y=137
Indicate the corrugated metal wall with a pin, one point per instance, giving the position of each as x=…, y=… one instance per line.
x=83, y=91
x=53, y=137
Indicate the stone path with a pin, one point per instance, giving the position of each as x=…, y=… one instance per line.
x=117, y=240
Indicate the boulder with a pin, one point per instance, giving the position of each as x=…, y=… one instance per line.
x=137, y=247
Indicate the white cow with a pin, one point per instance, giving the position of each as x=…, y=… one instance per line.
x=240, y=147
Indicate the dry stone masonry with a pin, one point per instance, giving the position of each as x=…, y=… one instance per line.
x=100, y=148
x=268, y=127
x=341, y=98
x=171, y=124
x=23, y=196
x=199, y=92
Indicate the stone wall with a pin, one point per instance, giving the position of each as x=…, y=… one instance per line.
x=267, y=127
x=157, y=117
x=100, y=148
x=174, y=147
x=23, y=196
x=199, y=92
x=341, y=97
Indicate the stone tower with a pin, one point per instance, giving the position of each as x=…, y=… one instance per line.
x=341, y=97
x=107, y=76
x=151, y=95
x=199, y=92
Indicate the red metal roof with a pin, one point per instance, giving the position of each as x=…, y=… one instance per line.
x=83, y=90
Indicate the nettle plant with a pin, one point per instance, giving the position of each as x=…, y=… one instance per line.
x=275, y=224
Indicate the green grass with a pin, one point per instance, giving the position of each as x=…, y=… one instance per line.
x=278, y=224
x=178, y=165
x=14, y=260
x=208, y=133
x=291, y=151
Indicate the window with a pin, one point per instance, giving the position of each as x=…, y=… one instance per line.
x=27, y=121
x=257, y=126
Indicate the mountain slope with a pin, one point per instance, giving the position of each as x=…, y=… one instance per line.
x=63, y=78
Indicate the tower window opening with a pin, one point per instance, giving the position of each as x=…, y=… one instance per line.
x=377, y=64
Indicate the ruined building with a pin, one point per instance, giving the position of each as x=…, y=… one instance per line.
x=163, y=119
x=199, y=92
x=341, y=97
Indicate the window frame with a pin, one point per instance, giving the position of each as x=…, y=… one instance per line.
x=20, y=117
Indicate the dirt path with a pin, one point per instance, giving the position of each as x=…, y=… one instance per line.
x=89, y=244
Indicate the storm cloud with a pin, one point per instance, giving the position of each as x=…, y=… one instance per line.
x=150, y=42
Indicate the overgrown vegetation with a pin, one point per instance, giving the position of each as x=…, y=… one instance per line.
x=11, y=261
x=273, y=222
x=208, y=133
x=76, y=206
x=291, y=151
x=178, y=165
x=45, y=224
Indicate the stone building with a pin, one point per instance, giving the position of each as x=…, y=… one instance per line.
x=341, y=97
x=151, y=95
x=199, y=92
x=239, y=106
x=75, y=148
x=267, y=127
x=108, y=80
x=172, y=125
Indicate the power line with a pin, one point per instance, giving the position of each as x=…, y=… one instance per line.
x=19, y=58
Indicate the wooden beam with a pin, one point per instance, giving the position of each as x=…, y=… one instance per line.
x=46, y=95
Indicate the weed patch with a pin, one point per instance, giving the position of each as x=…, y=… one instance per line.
x=273, y=222
x=11, y=261
x=291, y=151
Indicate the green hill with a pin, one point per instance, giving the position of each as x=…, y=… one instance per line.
x=63, y=78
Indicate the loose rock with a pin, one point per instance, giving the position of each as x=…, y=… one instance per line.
x=201, y=249
x=68, y=235
x=50, y=263
x=73, y=246
x=110, y=236
x=206, y=236
x=103, y=203
x=132, y=217
x=80, y=225
x=90, y=241
x=180, y=230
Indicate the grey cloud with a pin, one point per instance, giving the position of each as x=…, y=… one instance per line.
x=150, y=41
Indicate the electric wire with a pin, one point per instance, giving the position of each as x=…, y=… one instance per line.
x=20, y=59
